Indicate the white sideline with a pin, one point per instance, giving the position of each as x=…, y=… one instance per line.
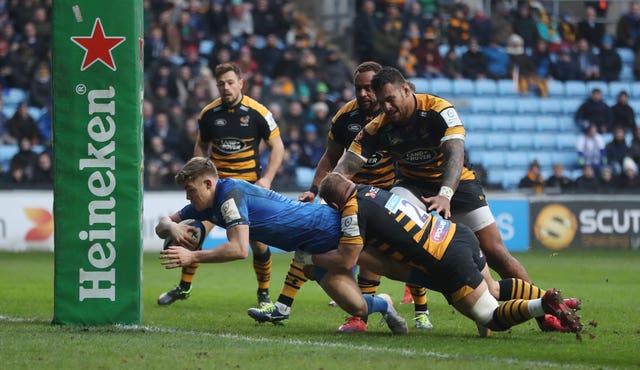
x=397, y=351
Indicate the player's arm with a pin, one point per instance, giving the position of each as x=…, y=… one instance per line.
x=169, y=226
x=276, y=148
x=236, y=247
x=202, y=148
x=344, y=257
x=453, y=151
x=349, y=164
x=327, y=162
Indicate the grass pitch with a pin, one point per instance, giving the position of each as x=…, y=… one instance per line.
x=211, y=330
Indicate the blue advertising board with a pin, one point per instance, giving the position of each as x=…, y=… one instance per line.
x=512, y=218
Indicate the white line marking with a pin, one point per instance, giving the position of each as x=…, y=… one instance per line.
x=295, y=342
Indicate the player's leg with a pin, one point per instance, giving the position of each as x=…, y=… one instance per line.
x=262, y=268
x=368, y=283
x=282, y=308
x=341, y=287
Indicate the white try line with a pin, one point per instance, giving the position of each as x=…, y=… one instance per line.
x=316, y=344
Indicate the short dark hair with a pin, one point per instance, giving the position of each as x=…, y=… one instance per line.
x=368, y=66
x=226, y=67
x=196, y=167
x=387, y=75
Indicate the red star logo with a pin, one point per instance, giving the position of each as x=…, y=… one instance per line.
x=98, y=47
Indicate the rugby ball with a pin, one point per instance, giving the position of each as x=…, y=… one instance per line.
x=198, y=236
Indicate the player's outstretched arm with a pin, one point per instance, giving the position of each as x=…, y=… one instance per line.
x=349, y=164
x=327, y=162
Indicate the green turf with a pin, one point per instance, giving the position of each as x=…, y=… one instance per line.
x=211, y=330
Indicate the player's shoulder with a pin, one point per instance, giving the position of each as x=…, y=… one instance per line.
x=348, y=110
x=252, y=104
x=214, y=106
x=427, y=102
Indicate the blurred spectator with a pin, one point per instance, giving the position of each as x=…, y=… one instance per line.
x=185, y=84
x=524, y=25
x=386, y=40
x=547, y=30
x=269, y=56
x=266, y=18
x=45, y=125
x=588, y=182
x=40, y=89
x=156, y=163
x=413, y=14
x=480, y=26
x=616, y=150
x=542, y=59
x=162, y=128
x=335, y=72
x=22, y=125
x=591, y=149
x=5, y=135
x=533, y=179
x=300, y=33
x=312, y=147
x=567, y=30
x=610, y=63
x=451, y=66
x=629, y=181
x=594, y=111
x=623, y=113
x=154, y=44
x=247, y=63
x=501, y=23
x=634, y=148
x=608, y=181
x=190, y=34
x=25, y=158
x=474, y=62
x=216, y=18
x=321, y=119
x=407, y=60
x=430, y=62
x=497, y=60
x=294, y=115
x=558, y=180
x=523, y=70
x=565, y=67
x=636, y=64
x=16, y=177
x=628, y=27
x=240, y=21
x=43, y=170
x=588, y=63
x=365, y=25
x=458, y=28
x=589, y=28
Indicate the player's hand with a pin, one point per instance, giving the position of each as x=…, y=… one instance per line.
x=307, y=196
x=183, y=235
x=263, y=183
x=176, y=257
x=438, y=203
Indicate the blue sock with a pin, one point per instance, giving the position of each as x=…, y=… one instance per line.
x=375, y=304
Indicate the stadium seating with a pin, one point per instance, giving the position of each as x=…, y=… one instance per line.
x=506, y=104
x=507, y=88
x=576, y=89
x=441, y=87
x=501, y=123
x=547, y=123
x=483, y=105
x=528, y=105
x=522, y=142
x=552, y=105
x=616, y=86
x=525, y=123
x=479, y=122
x=486, y=87
x=556, y=88
x=463, y=87
x=421, y=84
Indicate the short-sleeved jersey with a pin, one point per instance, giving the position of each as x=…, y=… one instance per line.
x=417, y=143
x=400, y=230
x=235, y=133
x=379, y=170
x=272, y=218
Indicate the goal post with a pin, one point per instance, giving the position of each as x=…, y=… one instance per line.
x=97, y=141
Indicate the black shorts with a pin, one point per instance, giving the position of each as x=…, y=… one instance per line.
x=468, y=197
x=459, y=267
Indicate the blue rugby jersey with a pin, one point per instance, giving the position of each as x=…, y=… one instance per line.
x=272, y=218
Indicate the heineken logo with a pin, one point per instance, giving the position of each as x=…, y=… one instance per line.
x=98, y=47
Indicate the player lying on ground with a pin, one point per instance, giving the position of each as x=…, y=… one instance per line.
x=407, y=244
x=249, y=212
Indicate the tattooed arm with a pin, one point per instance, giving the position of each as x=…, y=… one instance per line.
x=453, y=151
x=349, y=164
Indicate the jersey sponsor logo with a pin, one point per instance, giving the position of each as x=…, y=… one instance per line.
x=220, y=122
x=450, y=117
x=230, y=211
x=349, y=225
x=440, y=230
x=354, y=127
x=374, y=160
x=230, y=145
x=359, y=136
x=393, y=203
x=420, y=156
x=372, y=192
x=244, y=121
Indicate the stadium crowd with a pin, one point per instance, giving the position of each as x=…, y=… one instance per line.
x=290, y=67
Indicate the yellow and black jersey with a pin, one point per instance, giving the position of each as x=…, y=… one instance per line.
x=235, y=133
x=417, y=143
x=379, y=170
x=377, y=218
